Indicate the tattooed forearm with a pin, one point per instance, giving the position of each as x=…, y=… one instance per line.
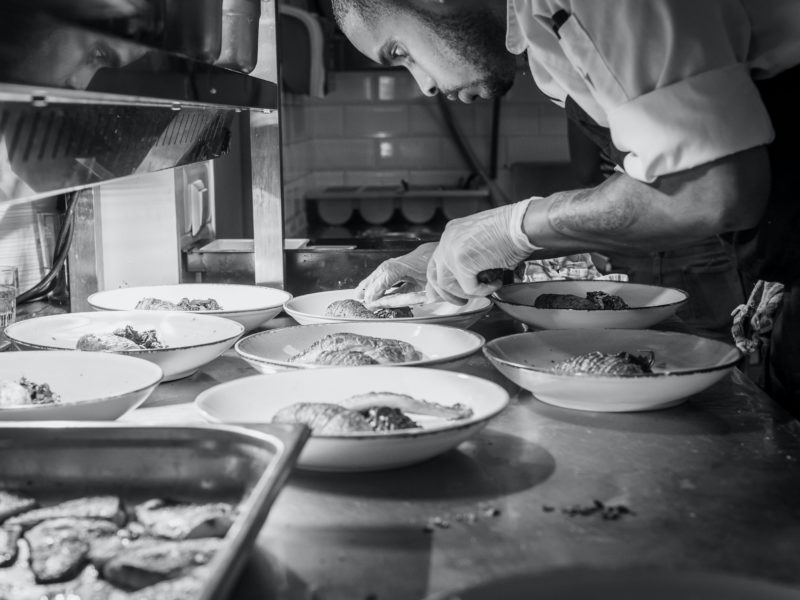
x=579, y=214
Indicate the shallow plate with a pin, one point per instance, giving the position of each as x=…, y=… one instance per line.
x=650, y=304
x=255, y=399
x=193, y=340
x=683, y=365
x=250, y=305
x=310, y=308
x=95, y=386
x=628, y=584
x=269, y=351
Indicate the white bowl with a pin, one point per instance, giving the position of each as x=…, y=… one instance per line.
x=250, y=305
x=269, y=351
x=192, y=340
x=256, y=398
x=630, y=583
x=684, y=364
x=92, y=387
x=310, y=308
x=650, y=304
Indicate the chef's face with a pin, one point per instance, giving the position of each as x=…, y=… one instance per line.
x=456, y=52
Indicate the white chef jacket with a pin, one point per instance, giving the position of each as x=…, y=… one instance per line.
x=671, y=79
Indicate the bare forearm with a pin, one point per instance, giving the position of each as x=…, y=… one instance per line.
x=614, y=216
x=624, y=214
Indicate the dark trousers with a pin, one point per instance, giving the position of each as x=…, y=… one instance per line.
x=771, y=251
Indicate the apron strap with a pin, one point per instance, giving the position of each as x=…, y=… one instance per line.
x=601, y=136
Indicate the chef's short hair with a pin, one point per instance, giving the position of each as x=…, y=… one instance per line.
x=368, y=10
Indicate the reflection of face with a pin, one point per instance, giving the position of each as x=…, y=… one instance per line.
x=461, y=54
x=70, y=58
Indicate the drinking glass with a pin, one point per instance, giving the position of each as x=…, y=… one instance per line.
x=9, y=288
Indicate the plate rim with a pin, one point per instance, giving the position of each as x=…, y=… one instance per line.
x=34, y=407
x=487, y=348
x=279, y=305
x=496, y=298
x=478, y=338
x=456, y=315
x=137, y=351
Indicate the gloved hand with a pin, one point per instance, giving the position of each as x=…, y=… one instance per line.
x=492, y=239
x=409, y=268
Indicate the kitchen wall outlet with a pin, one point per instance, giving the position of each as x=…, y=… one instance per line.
x=194, y=191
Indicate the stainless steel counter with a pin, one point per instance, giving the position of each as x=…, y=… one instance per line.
x=713, y=485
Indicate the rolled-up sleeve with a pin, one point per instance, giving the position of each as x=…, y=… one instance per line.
x=672, y=78
x=690, y=123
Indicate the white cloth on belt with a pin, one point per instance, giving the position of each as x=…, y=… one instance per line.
x=753, y=322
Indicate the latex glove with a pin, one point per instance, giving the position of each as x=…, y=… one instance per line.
x=492, y=239
x=409, y=269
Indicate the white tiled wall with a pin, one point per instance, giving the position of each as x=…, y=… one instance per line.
x=376, y=128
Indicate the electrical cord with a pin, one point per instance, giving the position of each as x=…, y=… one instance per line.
x=40, y=290
x=496, y=195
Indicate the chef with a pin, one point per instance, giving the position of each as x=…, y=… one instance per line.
x=696, y=103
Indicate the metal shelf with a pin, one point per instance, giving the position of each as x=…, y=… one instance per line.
x=52, y=57
x=80, y=105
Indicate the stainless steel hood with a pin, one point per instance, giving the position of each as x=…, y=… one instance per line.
x=100, y=89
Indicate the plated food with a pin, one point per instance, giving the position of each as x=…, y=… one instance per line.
x=618, y=364
x=611, y=370
x=355, y=309
x=316, y=308
x=588, y=304
x=122, y=338
x=367, y=412
x=345, y=348
x=63, y=385
x=185, y=304
x=445, y=407
x=178, y=342
x=356, y=343
x=24, y=392
x=593, y=300
x=250, y=305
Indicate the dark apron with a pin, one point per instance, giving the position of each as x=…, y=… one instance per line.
x=770, y=251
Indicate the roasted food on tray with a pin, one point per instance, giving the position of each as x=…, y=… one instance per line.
x=99, y=547
x=367, y=413
x=124, y=338
x=355, y=349
x=592, y=301
x=353, y=309
x=193, y=305
x=622, y=364
x=25, y=392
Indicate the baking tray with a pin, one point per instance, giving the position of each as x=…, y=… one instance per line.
x=53, y=461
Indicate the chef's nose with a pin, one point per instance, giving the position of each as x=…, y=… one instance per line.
x=425, y=82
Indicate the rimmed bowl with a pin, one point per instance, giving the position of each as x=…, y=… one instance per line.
x=310, y=308
x=92, y=386
x=257, y=398
x=649, y=304
x=192, y=340
x=270, y=351
x=250, y=305
x=683, y=364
